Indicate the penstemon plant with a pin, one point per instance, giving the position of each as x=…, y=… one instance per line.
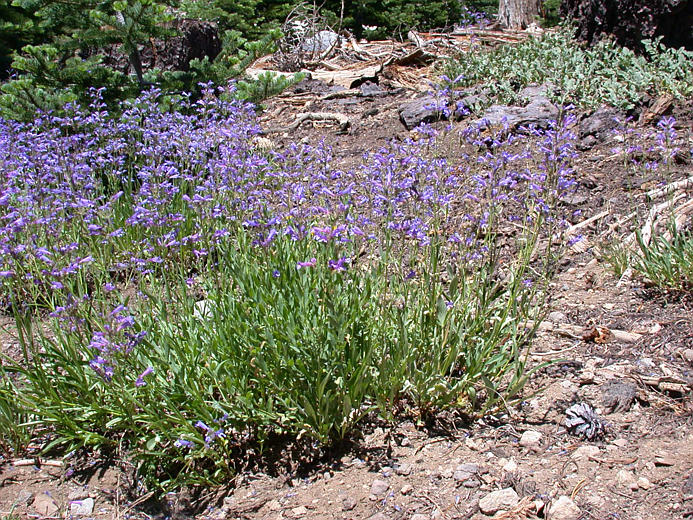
x=183, y=296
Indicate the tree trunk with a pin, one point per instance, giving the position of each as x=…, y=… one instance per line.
x=518, y=14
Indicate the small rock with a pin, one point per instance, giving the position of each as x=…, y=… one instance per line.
x=644, y=483
x=78, y=494
x=419, y=516
x=586, y=377
x=403, y=469
x=406, y=489
x=626, y=479
x=687, y=490
x=423, y=110
x=564, y=509
x=83, y=507
x=621, y=443
x=465, y=472
x=471, y=444
x=503, y=499
x=585, y=452
x=688, y=355
x=510, y=466
x=348, y=503
x=530, y=439
x=557, y=317
x=618, y=395
x=274, y=505
x=24, y=498
x=299, y=511
x=379, y=516
x=405, y=442
x=379, y=487
x=321, y=42
x=44, y=505
x=664, y=460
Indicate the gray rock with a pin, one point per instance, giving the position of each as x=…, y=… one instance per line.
x=422, y=110
x=600, y=123
x=379, y=516
x=465, y=472
x=688, y=488
x=348, y=503
x=321, y=42
x=83, y=507
x=379, y=487
x=24, y=498
x=403, y=469
x=688, y=355
x=370, y=89
x=564, y=509
x=530, y=439
x=618, y=395
x=538, y=113
x=503, y=499
x=557, y=317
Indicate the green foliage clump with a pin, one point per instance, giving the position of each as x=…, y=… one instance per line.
x=587, y=77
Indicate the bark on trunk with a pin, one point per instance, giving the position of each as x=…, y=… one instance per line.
x=518, y=14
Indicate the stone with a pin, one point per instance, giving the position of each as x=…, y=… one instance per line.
x=24, y=497
x=422, y=110
x=502, y=499
x=370, y=89
x=598, y=126
x=538, y=112
x=203, y=310
x=465, y=472
x=78, y=493
x=626, y=479
x=44, y=505
x=644, y=483
x=321, y=42
x=557, y=317
x=403, y=469
x=585, y=452
x=510, y=466
x=564, y=509
x=687, y=354
x=379, y=487
x=379, y=516
x=406, y=489
x=687, y=489
x=618, y=395
x=530, y=439
x=83, y=507
x=419, y=516
x=620, y=442
x=348, y=503
x=299, y=511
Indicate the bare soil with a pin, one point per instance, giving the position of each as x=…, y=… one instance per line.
x=641, y=469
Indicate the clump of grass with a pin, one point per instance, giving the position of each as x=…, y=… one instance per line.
x=586, y=77
x=203, y=296
x=666, y=263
